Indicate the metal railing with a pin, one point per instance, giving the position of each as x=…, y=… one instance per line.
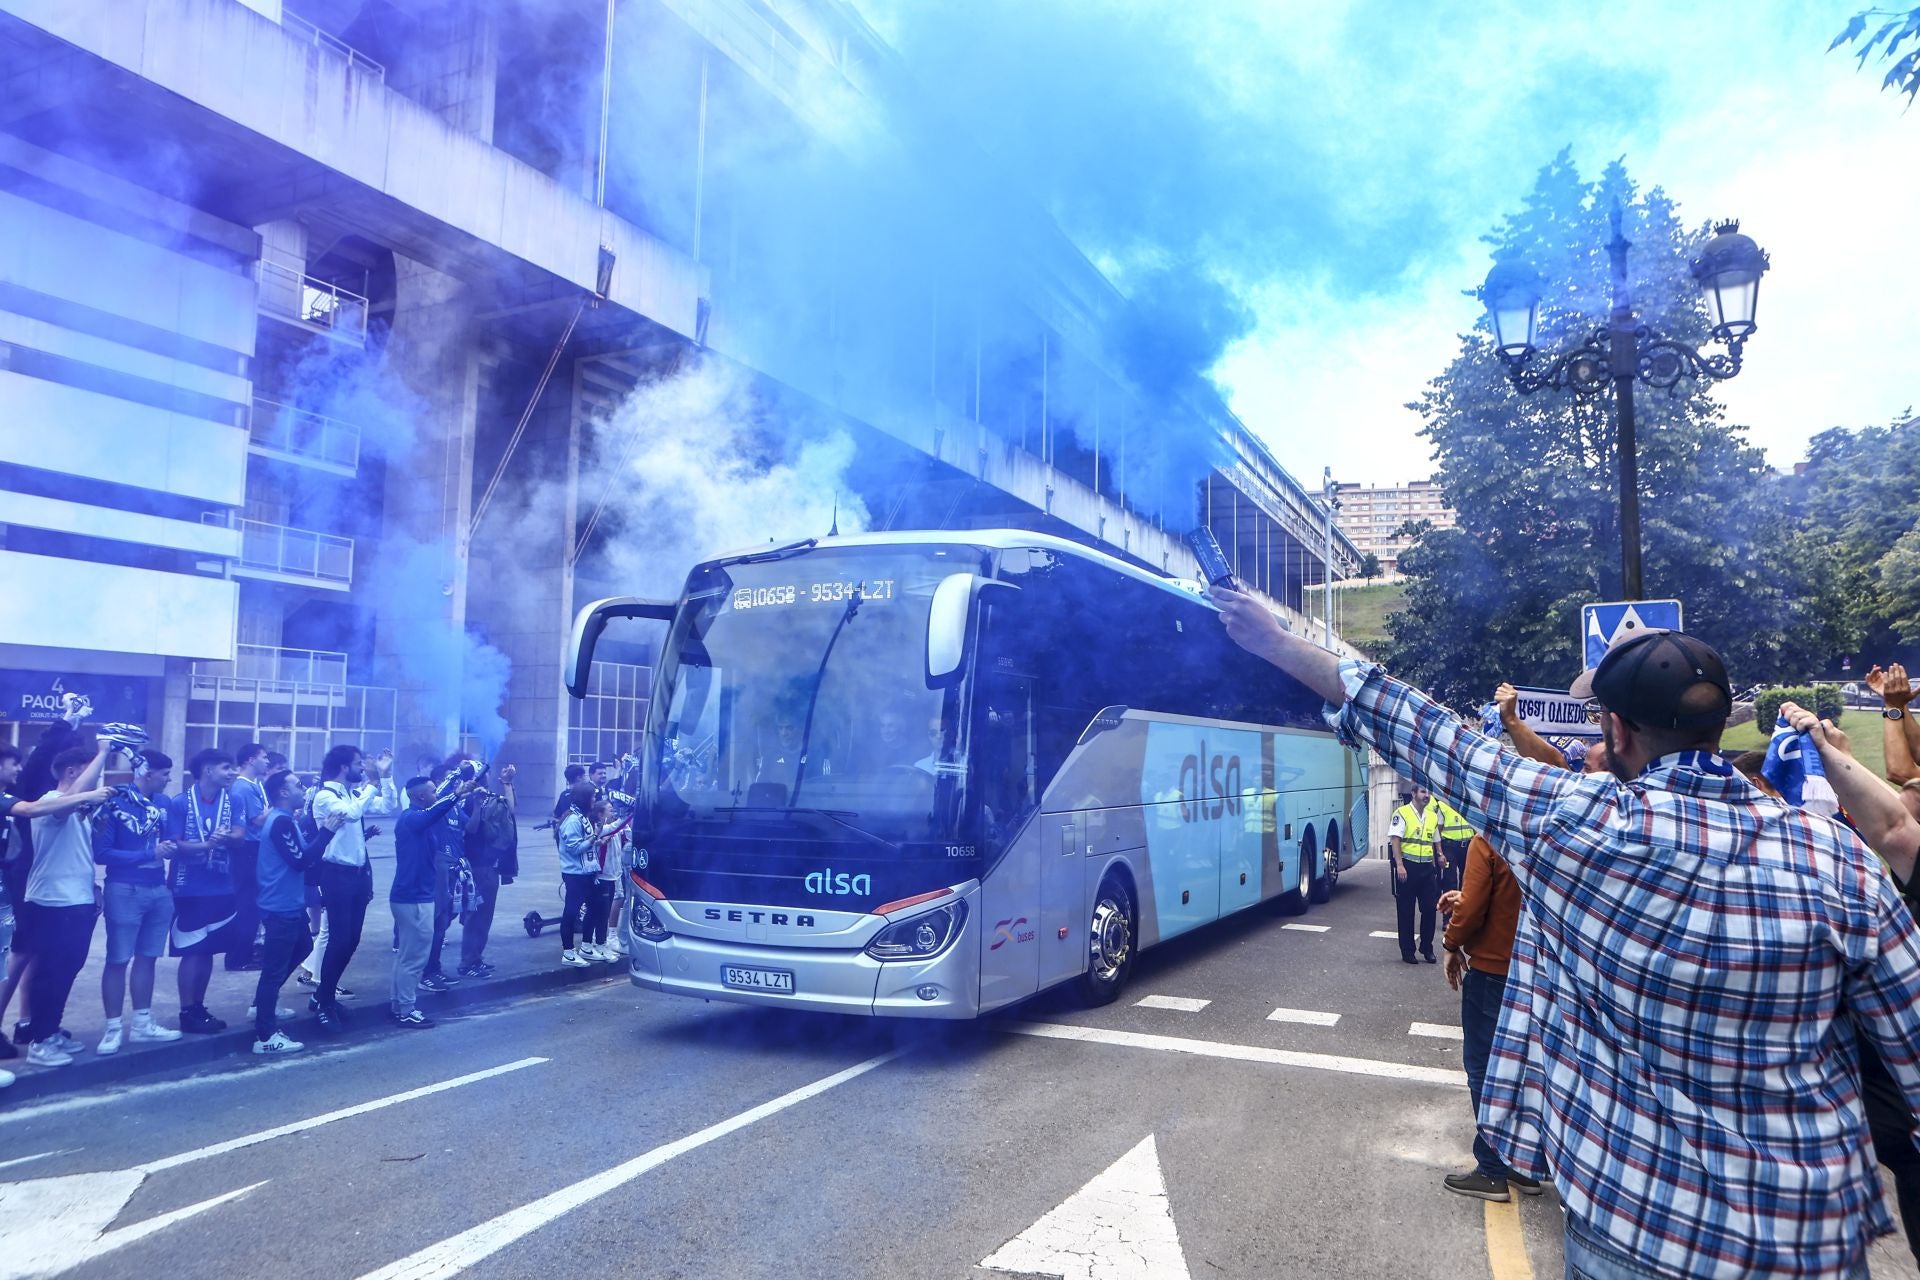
x=267, y=664
x=297, y=553
x=288, y=291
x=306, y=33
x=301, y=434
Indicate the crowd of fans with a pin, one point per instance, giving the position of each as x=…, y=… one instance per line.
x=267, y=869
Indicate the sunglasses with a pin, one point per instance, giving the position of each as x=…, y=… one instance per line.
x=1594, y=710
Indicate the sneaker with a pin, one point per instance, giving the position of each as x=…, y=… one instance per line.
x=415, y=1019
x=588, y=951
x=152, y=1033
x=68, y=1044
x=1478, y=1185
x=197, y=1021
x=477, y=972
x=110, y=1040
x=1525, y=1186
x=305, y=979
x=277, y=1043
x=573, y=960
x=343, y=992
x=439, y=983
x=329, y=1019
x=253, y=1011
x=46, y=1053
x=6, y=1078
x=618, y=948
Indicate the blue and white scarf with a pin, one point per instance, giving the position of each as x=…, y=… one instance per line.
x=1793, y=767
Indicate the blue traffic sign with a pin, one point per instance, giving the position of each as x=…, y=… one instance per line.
x=1604, y=625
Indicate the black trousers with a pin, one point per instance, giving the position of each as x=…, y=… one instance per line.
x=597, y=907
x=579, y=898
x=1891, y=1122
x=479, y=922
x=1421, y=887
x=344, y=892
x=59, y=939
x=246, y=905
x=1455, y=852
x=287, y=944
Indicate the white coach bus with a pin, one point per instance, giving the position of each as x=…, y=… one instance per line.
x=931, y=774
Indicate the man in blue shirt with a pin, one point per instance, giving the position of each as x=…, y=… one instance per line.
x=287, y=851
x=415, y=838
x=131, y=840
x=250, y=815
x=206, y=838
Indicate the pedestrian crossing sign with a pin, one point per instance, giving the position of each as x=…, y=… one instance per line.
x=1604, y=625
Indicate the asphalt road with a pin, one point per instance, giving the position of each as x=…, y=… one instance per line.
x=612, y=1131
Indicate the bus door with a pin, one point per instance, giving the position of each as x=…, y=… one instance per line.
x=1006, y=789
x=1063, y=895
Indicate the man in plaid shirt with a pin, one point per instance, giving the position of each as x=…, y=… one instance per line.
x=1702, y=955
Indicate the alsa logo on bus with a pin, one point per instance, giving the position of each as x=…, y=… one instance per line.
x=1209, y=785
x=838, y=884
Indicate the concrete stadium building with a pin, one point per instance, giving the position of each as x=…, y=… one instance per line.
x=318, y=322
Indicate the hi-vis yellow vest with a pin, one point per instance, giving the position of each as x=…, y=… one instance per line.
x=1419, y=835
x=1452, y=825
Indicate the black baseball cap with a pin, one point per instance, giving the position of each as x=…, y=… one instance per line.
x=1662, y=680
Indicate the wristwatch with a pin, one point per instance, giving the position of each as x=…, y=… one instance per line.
x=1894, y=713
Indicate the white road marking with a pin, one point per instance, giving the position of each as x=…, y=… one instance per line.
x=57, y=1223
x=1240, y=1052
x=1308, y=928
x=1384, y=933
x=1436, y=1031
x=458, y=1252
x=50, y=1224
x=1185, y=1004
x=1117, y=1227
x=60, y=1106
x=1308, y=1016
x=8, y=1164
x=344, y=1113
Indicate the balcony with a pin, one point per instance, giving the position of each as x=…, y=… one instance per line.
x=293, y=435
x=266, y=664
x=306, y=33
x=278, y=553
x=288, y=293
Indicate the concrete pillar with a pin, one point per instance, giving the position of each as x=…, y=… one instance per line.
x=169, y=732
x=414, y=580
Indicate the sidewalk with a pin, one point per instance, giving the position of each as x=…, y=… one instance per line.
x=525, y=965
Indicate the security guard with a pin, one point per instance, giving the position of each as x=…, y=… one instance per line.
x=1455, y=836
x=1414, y=845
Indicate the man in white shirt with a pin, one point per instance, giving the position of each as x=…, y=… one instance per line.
x=353, y=789
x=58, y=915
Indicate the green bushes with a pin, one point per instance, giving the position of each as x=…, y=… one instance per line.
x=1824, y=699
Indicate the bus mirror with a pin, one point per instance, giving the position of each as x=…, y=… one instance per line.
x=947, y=625
x=592, y=620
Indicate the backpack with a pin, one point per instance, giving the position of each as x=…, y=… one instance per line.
x=492, y=827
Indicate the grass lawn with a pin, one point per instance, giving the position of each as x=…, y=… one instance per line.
x=1360, y=613
x=1862, y=729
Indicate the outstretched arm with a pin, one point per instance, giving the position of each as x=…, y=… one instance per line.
x=1884, y=823
x=1525, y=740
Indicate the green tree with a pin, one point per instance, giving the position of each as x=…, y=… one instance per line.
x=1892, y=29
x=1857, y=497
x=1533, y=481
x=1370, y=567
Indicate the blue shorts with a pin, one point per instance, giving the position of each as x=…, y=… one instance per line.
x=138, y=918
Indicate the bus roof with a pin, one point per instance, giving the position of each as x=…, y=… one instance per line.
x=999, y=540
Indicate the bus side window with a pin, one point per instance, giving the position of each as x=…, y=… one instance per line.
x=1003, y=754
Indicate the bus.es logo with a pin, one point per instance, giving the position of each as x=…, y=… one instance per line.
x=1010, y=930
x=838, y=884
x=1209, y=785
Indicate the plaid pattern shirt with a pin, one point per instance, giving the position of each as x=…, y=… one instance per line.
x=1678, y=1042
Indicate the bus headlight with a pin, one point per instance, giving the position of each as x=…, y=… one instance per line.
x=922, y=937
x=645, y=923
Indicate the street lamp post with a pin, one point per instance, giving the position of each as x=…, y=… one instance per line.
x=1624, y=351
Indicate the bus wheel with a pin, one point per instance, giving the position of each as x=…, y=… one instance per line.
x=1295, y=899
x=1329, y=863
x=1109, y=945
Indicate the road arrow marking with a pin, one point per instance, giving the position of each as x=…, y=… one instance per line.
x=57, y=1223
x=1117, y=1227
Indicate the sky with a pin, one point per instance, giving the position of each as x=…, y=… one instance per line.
x=1330, y=168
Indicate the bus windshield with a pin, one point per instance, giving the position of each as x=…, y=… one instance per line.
x=798, y=686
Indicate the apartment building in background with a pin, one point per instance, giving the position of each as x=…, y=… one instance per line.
x=1373, y=516
x=310, y=312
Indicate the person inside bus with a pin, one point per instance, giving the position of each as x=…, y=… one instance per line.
x=937, y=753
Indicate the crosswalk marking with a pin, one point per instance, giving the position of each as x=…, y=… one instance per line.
x=1384, y=933
x=1239, y=1052
x=1184, y=1004
x=1435, y=1031
x=1308, y=928
x=1310, y=1017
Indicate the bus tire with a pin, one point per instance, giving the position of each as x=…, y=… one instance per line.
x=1295, y=899
x=1329, y=862
x=1111, y=944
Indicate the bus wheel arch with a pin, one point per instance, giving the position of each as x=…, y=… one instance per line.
x=1112, y=939
x=1329, y=865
